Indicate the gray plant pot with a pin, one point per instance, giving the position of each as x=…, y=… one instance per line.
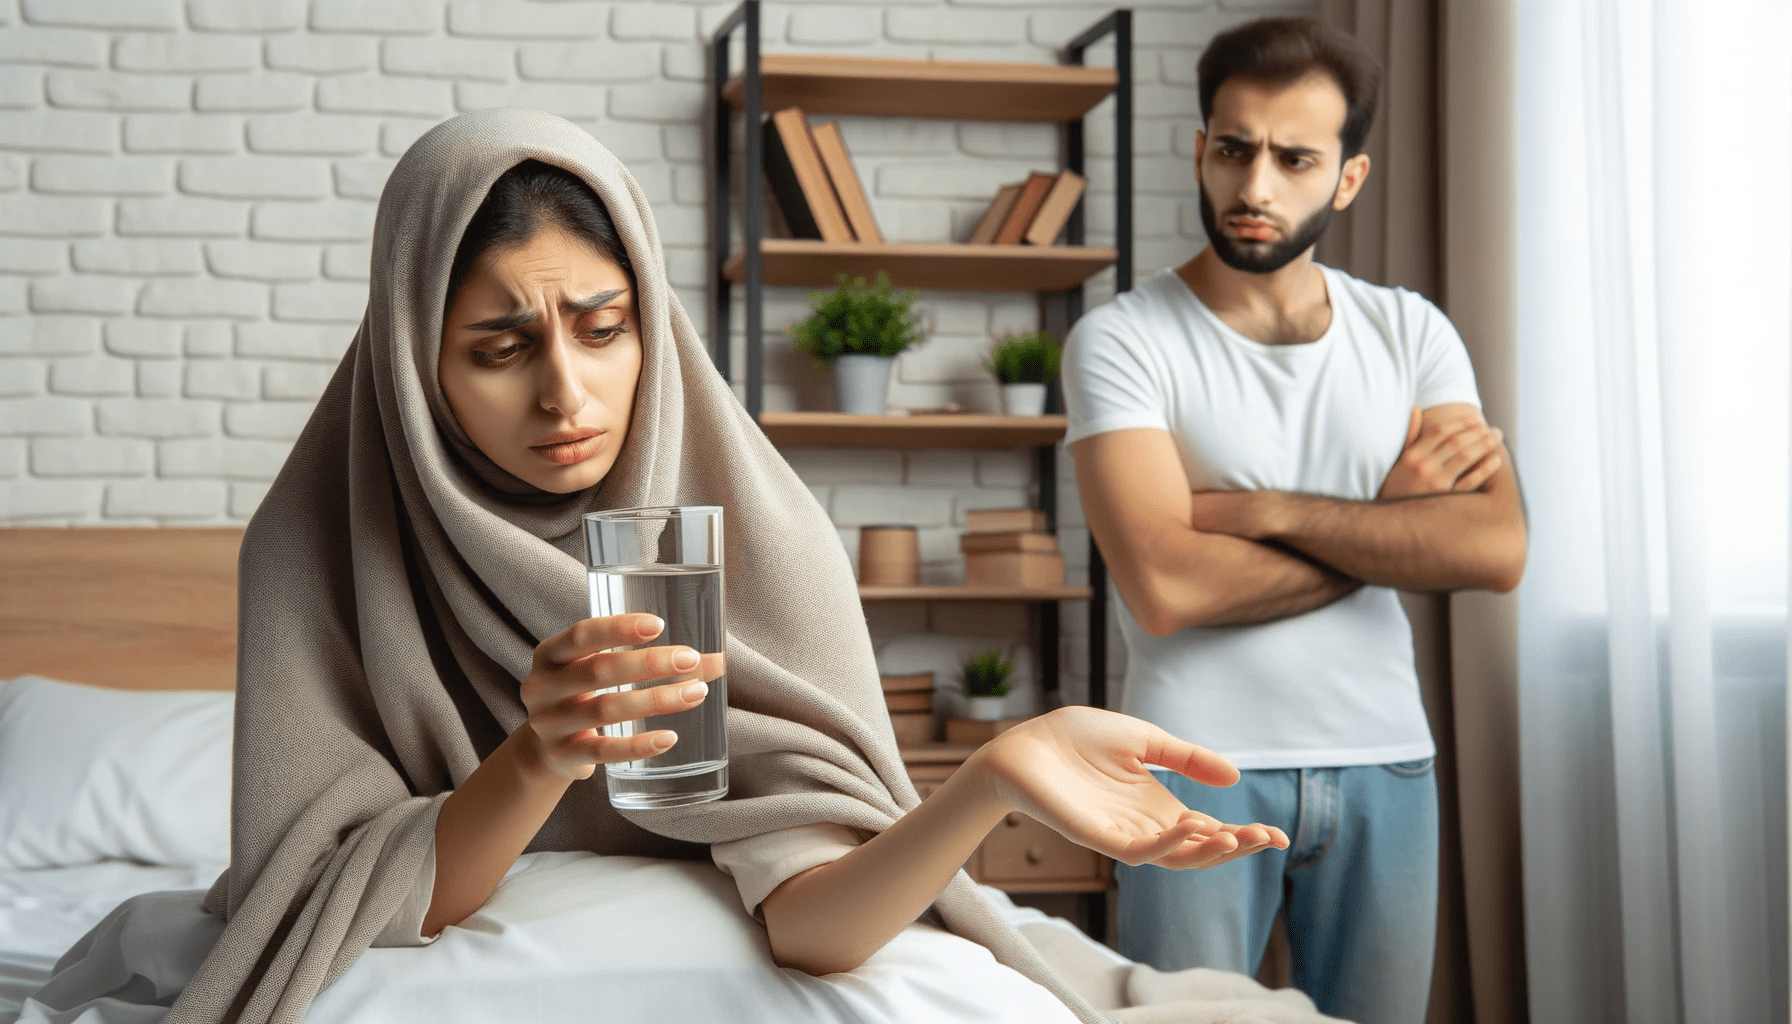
x=1023, y=399
x=862, y=384
x=985, y=709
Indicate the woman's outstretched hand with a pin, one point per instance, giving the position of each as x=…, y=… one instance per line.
x=567, y=711
x=1082, y=771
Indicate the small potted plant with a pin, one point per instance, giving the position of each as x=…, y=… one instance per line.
x=1025, y=364
x=858, y=329
x=986, y=684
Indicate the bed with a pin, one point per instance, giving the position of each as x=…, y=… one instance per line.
x=117, y=658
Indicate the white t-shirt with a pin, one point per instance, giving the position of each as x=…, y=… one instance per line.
x=1334, y=686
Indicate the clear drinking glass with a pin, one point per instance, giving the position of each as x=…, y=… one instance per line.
x=667, y=562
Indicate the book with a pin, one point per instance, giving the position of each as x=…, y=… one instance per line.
x=1055, y=211
x=1032, y=194
x=920, y=700
x=1004, y=520
x=908, y=683
x=845, y=179
x=1013, y=569
x=1011, y=540
x=913, y=728
x=798, y=181
x=997, y=214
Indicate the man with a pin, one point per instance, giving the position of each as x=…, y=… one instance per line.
x=1267, y=450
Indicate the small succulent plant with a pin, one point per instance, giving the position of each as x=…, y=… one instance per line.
x=986, y=674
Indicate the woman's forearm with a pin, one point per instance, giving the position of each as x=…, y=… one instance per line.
x=485, y=825
x=833, y=917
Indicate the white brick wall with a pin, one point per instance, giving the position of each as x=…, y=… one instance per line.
x=187, y=192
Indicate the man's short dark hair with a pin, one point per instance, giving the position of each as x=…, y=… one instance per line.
x=1281, y=51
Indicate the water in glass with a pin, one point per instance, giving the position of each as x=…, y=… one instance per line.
x=688, y=598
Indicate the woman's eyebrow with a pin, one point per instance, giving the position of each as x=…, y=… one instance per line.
x=524, y=317
x=592, y=303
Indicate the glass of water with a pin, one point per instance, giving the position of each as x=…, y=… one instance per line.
x=667, y=562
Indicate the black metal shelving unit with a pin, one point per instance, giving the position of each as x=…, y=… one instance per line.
x=1059, y=309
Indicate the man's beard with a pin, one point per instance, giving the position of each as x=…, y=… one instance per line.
x=1261, y=257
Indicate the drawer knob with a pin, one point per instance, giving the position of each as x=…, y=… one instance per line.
x=1012, y=820
x=1035, y=855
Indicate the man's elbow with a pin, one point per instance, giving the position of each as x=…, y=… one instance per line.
x=1505, y=567
x=1161, y=608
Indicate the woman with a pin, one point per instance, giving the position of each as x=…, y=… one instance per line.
x=415, y=704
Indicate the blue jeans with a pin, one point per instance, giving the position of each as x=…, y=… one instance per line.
x=1359, y=878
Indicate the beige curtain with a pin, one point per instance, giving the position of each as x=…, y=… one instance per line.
x=1436, y=216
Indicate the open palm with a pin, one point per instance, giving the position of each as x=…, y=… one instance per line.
x=1082, y=771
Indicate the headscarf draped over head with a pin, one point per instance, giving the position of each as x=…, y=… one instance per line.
x=395, y=582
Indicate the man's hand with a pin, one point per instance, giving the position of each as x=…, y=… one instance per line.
x=1453, y=452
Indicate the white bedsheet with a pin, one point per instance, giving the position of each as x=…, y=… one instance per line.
x=43, y=912
x=576, y=937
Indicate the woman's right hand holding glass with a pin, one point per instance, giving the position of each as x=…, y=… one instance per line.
x=574, y=689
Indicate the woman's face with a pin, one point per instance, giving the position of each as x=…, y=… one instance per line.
x=540, y=355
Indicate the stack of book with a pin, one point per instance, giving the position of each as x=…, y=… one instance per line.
x=910, y=700
x=812, y=180
x=1009, y=547
x=1034, y=211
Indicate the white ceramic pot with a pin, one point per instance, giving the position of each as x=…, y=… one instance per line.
x=1023, y=399
x=862, y=384
x=985, y=709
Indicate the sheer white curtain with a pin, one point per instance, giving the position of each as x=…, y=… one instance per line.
x=1655, y=264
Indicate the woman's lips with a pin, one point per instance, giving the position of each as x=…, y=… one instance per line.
x=569, y=447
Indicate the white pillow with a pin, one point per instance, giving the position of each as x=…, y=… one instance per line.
x=88, y=775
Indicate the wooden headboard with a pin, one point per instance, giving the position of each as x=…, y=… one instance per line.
x=150, y=608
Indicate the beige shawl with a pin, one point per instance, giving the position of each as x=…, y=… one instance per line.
x=395, y=582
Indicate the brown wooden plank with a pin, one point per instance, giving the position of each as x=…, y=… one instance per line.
x=940, y=430
x=129, y=608
x=972, y=90
x=945, y=265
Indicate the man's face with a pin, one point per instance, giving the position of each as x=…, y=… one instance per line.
x=1270, y=170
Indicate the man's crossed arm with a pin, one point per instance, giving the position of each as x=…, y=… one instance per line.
x=1448, y=517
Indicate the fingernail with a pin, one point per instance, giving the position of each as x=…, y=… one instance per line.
x=686, y=658
x=663, y=740
x=651, y=625
x=694, y=691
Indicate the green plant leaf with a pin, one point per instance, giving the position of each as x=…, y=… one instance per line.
x=1025, y=359
x=857, y=319
x=986, y=674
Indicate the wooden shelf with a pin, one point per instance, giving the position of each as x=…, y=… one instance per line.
x=946, y=265
x=991, y=594
x=942, y=430
x=971, y=90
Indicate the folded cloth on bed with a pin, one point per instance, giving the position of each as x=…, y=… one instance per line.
x=88, y=775
x=44, y=911
x=394, y=583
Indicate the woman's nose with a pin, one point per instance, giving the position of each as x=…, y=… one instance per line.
x=560, y=391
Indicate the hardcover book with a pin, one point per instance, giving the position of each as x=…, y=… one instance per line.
x=1055, y=211
x=997, y=215
x=845, y=178
x=1032, y=196
x=1004, y=520
x=798, y=181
